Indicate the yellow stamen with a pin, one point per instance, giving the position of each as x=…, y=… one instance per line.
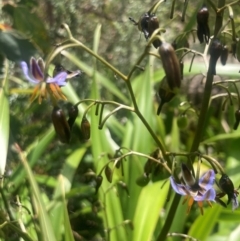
x=55, y=91
x=200, y=205
x=190, y=203
x=34, y=94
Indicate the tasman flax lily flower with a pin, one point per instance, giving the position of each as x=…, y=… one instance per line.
x=45, y=85
x=195, y=190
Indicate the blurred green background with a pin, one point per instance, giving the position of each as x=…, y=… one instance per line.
x=49, y=189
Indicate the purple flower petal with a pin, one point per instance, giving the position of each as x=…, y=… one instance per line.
x=24, y=67
x=74, y=74
x=35, y=69
x=59, y=79
x=178, y=188
x=41, y=64
x=207, y=180
x=208, y=195
x=187, y=176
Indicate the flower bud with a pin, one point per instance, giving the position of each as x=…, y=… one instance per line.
x=85, y=128
x=171, y=66
x=61, y=125
x=203, y=31
x=215, y=51
x=150, y=164
x=72, y=113
x=109, y=173
x=98, y=180
x=165, y=94
x=224, y=55
x=182, y=122
x=237, y=119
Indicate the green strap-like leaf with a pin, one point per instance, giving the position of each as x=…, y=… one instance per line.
x=150, y=203
x=4, y=120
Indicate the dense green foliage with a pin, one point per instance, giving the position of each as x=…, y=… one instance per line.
x=114, y=186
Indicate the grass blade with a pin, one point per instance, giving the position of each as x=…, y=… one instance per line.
x=4, y=120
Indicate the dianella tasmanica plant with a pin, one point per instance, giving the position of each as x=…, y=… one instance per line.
x=148, y=153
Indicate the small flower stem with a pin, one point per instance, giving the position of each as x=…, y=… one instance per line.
x=227, y=5
x=164, y=164
x=233, y=82
x=219, y=16
x=6, y=204
x=116, y=71
x=215, y=162
x=228, y=92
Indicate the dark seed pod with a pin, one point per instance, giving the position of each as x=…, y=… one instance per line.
x=61, y=125
x=237, y=119
x=171, y=66
x=148, y=167
x=85, y=128
x=150, y=164
x=224, y=55
x=203, y=31
x=202, y=15
x=165, y=94
x=227, y=187
x=72, y=113
x=215, y=51
x=99, y=180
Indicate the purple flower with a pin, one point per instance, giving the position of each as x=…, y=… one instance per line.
x=195, y=190
x=36, y=73
x=44, y=84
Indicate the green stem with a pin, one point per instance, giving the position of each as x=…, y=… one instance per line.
x=127, y=81
x=6, y=204
x=219, y=16
x=228, y=5
x=116, y=71
x=203, y=114
x=171, y=214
